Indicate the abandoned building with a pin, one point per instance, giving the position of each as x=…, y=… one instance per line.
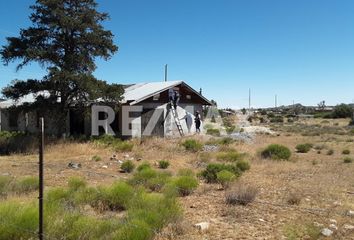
x=153, y=98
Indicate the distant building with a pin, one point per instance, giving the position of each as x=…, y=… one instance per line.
x=152, y=96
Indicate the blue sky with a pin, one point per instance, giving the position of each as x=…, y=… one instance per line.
x=301, y=50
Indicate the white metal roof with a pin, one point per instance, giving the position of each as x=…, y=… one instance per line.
x=141, y=91
x=29, y=98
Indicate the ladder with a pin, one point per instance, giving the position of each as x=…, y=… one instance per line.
x=178, y=123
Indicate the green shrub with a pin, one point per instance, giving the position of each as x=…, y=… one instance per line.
x=185, y=185
x=118, y=195
x=75, y=183
x=164, y=164
x=276, y=152
x=134, y=230
x=141, y=177
x=15, y=216
x=231, y=156
x=185, y=172
x=348, y=160
x=343, y=111
x=230, y=130
x=144, y=165
x=26, y=185
x=277, y=119
x=304, y=148
x=127, y=166
x=192, y=145
x=213, y=132
x=123, y=146
x=243, y=165
x=346, y=152
x=225, y=177
x=211, y=171
x=113, y=142
x=96, y=158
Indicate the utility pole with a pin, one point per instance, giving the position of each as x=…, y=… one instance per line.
x=41, y=183
x=165, y=72
x=249, y=100
x=276, y=101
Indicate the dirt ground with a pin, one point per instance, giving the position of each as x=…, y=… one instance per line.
x=323, y=182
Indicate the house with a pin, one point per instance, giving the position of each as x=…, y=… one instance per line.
x=141, y=103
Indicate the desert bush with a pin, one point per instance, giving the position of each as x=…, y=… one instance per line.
x=208, y=125
x=144, y=165
x=211, y=171
x=185, y=172
x=225, y=177
x=113, y=142
x=25, y=185
x=241, y=194
x=230, y=130
x=330, y=152
x=342, y=111
x=75, y=183
x=163, y=164
x=123, y=146
x=118, y=195
x=230, y=156
x=302, y=231
x=277, y=119
x=96, y=158
x=16, y=142
x=348, y=160
x=192, y=145
x=213, y=132
x=276, y=152
x=304, y=148
x=127, y=166
x=15, y=216
x=185, y=185
x=346, y=152
x=243, y=165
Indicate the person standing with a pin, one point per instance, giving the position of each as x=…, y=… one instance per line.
x=189, y=121
x=197, y=122
x=171, y=96
x=176, y=99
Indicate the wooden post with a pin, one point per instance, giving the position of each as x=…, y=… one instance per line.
x=41, y=183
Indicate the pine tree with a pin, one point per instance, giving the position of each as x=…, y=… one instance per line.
x=65, y=38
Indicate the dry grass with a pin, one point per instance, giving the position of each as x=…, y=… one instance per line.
x=322, y=185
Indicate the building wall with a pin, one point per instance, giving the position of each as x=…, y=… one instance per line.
x=28, y=122
x=170, y=127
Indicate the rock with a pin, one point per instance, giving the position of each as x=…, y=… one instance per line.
x=74, y=165
x=202, y=226
x=350, y=213
x=326, y=232
x=120, y=161
x=105, y=166
x=333, y=221
x=337, y=203
x=333, y=226
x=261, y=220
x=126, y=155
x=348, y=227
